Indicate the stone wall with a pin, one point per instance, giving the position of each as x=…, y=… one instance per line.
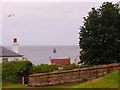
x=71, y=76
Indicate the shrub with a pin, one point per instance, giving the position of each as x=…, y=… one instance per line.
x=73, y=66
x=13, y=71
x=69, y=67
x=44, y=68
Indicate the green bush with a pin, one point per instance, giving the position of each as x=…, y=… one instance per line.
x=13, y=71
x=44, y=68
x=73, y=66
x=70, y=67
x=85, y=66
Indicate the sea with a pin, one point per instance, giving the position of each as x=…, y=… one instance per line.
x=41, y=54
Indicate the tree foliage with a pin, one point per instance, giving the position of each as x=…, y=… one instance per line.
x=13, y=71
x=70, y=67
x=44, y=68
x=73, y=66
x=100, y=35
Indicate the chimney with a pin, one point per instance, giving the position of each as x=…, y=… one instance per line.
x=15, y=45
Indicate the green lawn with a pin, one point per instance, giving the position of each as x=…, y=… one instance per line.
x=109, y=81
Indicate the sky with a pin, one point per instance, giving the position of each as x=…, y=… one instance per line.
x=43, y=23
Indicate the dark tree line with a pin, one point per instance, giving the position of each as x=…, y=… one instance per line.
x=100, y=35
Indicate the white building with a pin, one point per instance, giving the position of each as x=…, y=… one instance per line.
x=119, y=4
x=77, y=60
x=8, y=55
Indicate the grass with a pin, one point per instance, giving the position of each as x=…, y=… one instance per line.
x=109, y=81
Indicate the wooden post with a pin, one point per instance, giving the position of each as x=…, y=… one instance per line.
x=23, y=80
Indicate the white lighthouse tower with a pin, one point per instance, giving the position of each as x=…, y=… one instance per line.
x=15, y=45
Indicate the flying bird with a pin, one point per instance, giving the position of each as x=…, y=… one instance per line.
x=10, y=15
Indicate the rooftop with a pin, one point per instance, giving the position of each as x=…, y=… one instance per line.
x=4, y=52
x=60, y=58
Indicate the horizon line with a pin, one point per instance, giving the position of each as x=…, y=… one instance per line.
x=41, y=45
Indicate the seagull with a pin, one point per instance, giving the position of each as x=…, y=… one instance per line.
x=10, y=15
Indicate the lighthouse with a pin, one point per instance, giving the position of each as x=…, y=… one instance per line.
x=15, y=45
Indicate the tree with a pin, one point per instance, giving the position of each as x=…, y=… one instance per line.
x=100, y=35
x=13, y=71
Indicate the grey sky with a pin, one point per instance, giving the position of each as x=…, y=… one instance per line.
x=44, y=23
